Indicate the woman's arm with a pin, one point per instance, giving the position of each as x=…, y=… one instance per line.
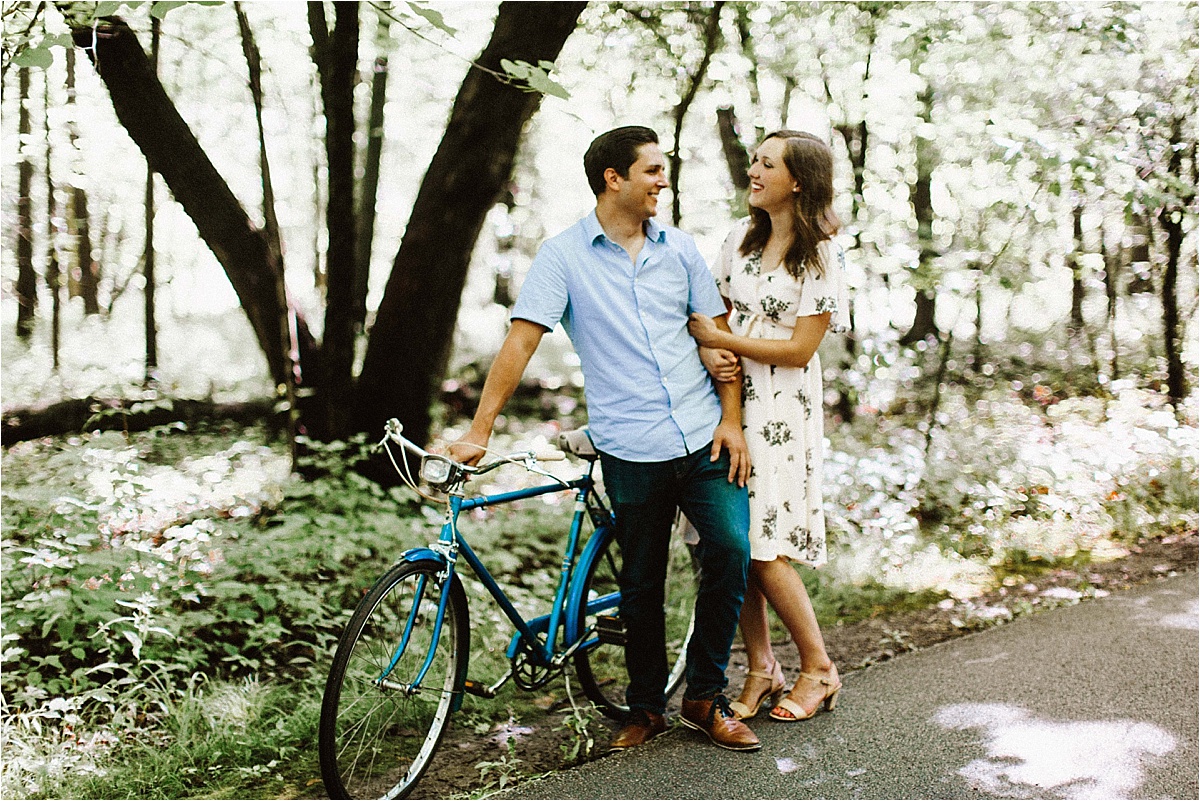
x=794, y=352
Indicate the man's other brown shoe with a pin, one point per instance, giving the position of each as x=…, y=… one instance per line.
x=714, y=717
x=640, y=727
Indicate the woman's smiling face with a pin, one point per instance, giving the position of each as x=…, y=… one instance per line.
x=772, y=186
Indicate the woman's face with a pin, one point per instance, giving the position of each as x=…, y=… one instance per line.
x=772, y=186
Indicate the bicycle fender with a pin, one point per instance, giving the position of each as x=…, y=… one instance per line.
x=420, y=555
x=575, y=599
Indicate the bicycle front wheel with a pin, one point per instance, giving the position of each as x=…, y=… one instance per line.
x=391, y=688
x=601, y=665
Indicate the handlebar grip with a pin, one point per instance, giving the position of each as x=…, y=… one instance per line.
x=549, y=456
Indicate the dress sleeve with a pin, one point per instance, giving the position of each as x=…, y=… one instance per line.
x=723, y=272
x=827, y=292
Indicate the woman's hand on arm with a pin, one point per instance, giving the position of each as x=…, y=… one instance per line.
x=795, y=351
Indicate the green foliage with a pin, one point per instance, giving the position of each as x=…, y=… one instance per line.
x=535, y=77
x=500, y=773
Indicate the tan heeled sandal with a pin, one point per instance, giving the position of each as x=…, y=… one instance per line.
x=798, y=712
x=745, y=711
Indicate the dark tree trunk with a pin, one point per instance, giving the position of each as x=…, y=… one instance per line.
x=712, y=37
x=1172, y=217
x=26, y=288
x=370, y=181
x=148, y=265
x=95, y=414
x=271, y=227
x=410, y=341
x=146, y=112
x=87, y=265
x=731, y=145
x=1078, y=286
x=924, y=324
x=53, y=266
x=1111, y=276
x=336, y=57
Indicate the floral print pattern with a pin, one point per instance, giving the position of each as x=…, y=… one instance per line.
x=781, y=405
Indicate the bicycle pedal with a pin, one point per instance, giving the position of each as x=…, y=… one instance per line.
x=610, y=629
x=477, y=689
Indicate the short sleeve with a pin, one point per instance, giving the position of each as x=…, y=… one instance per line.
x=724, y=269
x=827, y=292
x=543, y=296
x=702, y=292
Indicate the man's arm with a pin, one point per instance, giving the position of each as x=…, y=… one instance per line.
x=728, y=433
x=502, y=380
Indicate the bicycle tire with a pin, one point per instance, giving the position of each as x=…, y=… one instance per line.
x=376, y=740
x=600, y=666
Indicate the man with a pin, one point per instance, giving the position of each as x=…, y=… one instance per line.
x=622, y=286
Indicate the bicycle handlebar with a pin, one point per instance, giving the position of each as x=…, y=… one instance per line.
x=439, y=469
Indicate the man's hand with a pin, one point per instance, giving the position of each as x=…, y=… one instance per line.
x=729, y=436
x=470, y=449
x=723, y=365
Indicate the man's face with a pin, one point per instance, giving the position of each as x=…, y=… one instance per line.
x=647, y=177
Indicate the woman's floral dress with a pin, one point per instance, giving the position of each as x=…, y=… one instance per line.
x=782, y=406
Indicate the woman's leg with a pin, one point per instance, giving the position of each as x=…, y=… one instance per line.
x=764, y=677
x=756, y=632
x=783, y=588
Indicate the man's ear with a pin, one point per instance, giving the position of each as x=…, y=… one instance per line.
x=612, y=178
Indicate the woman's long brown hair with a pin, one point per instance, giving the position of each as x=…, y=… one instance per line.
x=810, y=162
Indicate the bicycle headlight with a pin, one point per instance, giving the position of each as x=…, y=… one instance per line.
x=436, y=469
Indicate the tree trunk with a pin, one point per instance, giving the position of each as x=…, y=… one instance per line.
x=1075, y=328
x=271, y=227
x=53, y=266
x=336, y=57
x=87, y=265
x=1111, y=277
x=370, y=181
x=147, y=114
x=731, y=145
x=26, y=288
x=410, y=342
x=742, y=23
x=924, y=323
x=95, y=414
x=712, y=37
x=1172, y=217
x=148, y=265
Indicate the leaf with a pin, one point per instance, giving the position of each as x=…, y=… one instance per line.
x=542, y=82
x=38, y=57
x=163, y=7
x=107, y=9
x=431, y=16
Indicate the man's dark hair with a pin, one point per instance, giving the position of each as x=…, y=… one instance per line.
x=618, y=149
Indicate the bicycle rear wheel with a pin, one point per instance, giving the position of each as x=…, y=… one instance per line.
x=601, y=665
x=378, y=731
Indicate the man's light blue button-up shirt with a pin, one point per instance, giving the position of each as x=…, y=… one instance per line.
x=649, y=397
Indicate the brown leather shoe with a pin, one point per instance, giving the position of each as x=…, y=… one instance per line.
x=639, y=728
x=714, y=717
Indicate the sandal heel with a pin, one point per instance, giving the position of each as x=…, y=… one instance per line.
x=831, y=701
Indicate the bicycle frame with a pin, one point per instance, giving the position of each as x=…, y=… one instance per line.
x=451, y=546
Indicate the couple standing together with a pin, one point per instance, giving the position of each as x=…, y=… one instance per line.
x=636, y=299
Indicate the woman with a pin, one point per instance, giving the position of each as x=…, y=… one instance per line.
x=781, y=276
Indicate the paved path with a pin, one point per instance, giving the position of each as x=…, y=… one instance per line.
x=1097, y=700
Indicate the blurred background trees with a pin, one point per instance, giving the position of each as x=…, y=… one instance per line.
x=1017, y=182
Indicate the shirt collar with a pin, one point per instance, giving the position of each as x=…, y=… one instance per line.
x=655, y=232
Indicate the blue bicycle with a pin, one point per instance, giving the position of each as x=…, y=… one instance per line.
x=401, y=665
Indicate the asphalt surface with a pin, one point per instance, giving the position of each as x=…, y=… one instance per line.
x=1097, y=700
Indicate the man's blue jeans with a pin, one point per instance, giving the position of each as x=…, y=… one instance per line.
x=645, y=496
